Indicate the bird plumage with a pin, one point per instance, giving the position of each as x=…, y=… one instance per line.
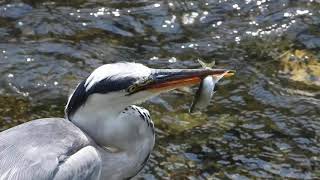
x=98, y=118
x=41, y=149
x=103, y=135
x=54, y=148
x=105, y=79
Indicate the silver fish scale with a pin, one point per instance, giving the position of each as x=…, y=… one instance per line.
x=204, y=94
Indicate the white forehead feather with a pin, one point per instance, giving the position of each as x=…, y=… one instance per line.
x=116, y=70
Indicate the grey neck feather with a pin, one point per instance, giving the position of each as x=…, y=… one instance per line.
x=120, y=128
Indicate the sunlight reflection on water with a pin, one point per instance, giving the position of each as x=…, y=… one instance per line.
x=263, y=123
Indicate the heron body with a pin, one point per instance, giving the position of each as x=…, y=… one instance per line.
x=103, y=135
x=54, y=148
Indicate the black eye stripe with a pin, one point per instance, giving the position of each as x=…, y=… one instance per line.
x=110, y=85
x=104, y=86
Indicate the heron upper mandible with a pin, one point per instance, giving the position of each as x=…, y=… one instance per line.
x=103, y=136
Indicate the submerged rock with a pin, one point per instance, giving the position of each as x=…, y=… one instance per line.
x=302, y=66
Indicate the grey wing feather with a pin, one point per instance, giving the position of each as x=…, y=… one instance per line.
x=85, y=164
x=40, y=149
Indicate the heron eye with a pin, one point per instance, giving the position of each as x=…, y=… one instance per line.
x=132, y=88
x=138, y=86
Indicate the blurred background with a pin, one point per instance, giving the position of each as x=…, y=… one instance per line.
x=262, y=123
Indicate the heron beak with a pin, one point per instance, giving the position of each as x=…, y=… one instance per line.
x=168, y=79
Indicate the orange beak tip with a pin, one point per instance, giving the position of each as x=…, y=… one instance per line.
x=229, y=75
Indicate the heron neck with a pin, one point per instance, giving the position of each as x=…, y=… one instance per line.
x=124, y=164
x=96, y=122
x=120, y=128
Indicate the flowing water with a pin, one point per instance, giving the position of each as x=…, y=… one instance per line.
x=262, y=123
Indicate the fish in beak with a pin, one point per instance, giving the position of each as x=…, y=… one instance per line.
x=168, y=79
x=162, y=80
x=205, y=92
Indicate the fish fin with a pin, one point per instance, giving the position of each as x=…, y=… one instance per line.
x=206, y=65
x=203, y=64
x=212, y=64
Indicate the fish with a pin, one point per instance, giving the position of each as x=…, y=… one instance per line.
x=204, y=65
x=205, y=91
x=203, y=95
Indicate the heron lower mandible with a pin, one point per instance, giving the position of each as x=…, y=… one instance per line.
x=103, y=135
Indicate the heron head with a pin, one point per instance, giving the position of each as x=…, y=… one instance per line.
x=123, y=84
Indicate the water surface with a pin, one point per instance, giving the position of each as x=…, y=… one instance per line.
x=262, y=123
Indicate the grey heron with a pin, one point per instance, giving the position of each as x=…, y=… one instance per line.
x=103, y=135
